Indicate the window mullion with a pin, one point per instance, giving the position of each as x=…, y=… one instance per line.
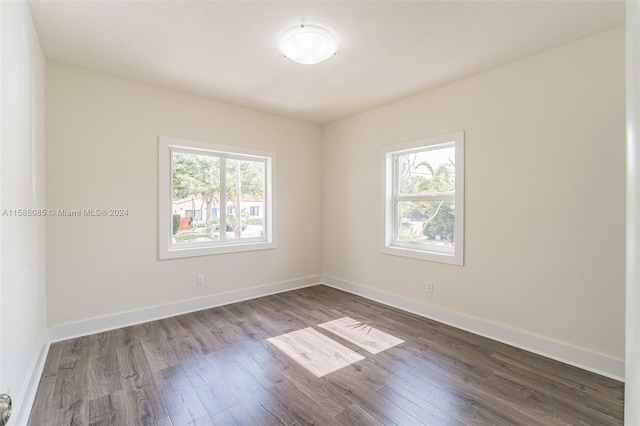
x=223, y=198
x=443, y=196
x=238, y=197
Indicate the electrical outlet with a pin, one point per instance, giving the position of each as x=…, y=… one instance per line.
x=429, y=287
x=200, y=280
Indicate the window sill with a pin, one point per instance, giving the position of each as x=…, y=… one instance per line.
x=177, y=253
x=452, y=259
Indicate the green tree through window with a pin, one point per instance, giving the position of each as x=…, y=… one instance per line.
x=428, y=173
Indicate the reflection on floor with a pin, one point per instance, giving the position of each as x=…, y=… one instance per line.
x=368, y=338
x=321, y=355
x=315, y=351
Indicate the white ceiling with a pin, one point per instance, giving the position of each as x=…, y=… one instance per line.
x=388, y=50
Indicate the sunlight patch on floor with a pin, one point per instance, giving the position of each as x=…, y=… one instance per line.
x=368, y=338
x=314, y=351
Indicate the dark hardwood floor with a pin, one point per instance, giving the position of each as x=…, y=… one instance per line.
x=217, y=367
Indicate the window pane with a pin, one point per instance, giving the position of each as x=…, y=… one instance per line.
x=245, y=199
x=427, y=171
x=195, y=189
x=426, y=222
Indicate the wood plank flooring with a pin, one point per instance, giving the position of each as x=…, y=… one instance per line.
x=216, y=367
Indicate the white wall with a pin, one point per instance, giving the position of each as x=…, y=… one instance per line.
x=22, y=260
x=102, y=152
x=545, y=196
x=632, y=371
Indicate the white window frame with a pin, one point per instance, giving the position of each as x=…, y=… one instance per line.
x=169, y=250
x=390, y=199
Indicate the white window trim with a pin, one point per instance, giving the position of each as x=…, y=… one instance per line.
x=166, y=250
x=389, y=245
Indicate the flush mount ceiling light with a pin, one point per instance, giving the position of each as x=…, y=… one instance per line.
x=307, y=44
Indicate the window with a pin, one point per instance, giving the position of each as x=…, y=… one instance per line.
x=196, y=214
x=423, y=199
x=196, y=179
x=254, y=211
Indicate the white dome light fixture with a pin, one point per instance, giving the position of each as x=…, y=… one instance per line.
x=307, y=44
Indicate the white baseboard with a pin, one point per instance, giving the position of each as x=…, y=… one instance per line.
x=578, y=357
x=124, y=319
x=22, y=405
x=581, y=358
